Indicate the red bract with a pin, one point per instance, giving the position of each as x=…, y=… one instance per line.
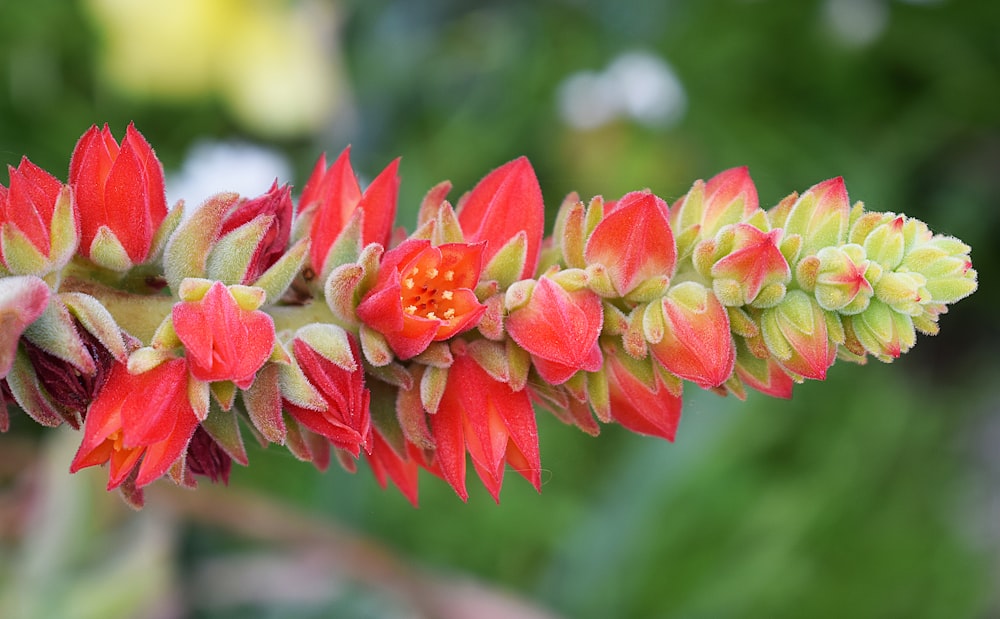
x=507, y=201
x=119, y=191
x=559, y=328
x=346, y=421
x=424, y=294
x=634, y=241
x=495, y=424
x=728, y=197
x=28, y=205
x=142, y=417
x=696, y=344
x=222, y=340
x=335, y=194
x=275, y=204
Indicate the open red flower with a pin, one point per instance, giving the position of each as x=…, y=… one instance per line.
x=335, y=194
x=495, y=423
x=119, y=194
x=224, y=339
x=138, y=422
x=424, y=294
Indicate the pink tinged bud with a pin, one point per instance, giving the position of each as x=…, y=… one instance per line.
x=639, y=400
x=507, y=201
x=634, y=242
x=841, y=278
x=334, y=194
x=495, y=424
x=696, y=343
x=728, y=197
x=222, y=339
x=754, y=262
x=820, y=216
x=424, y=294
x=119, y=195
x=346, y=418
x=23, y=298
x=273, y=213
x=138, y=422
x=795, y=332
x=560, y=329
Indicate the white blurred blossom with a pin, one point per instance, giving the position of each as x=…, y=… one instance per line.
x=637, y=85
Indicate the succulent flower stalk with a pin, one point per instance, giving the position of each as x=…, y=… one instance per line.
x=313, y=323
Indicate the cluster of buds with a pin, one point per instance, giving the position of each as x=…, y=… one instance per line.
x=314, y=324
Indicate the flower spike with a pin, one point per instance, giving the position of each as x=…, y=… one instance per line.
x=326, y=331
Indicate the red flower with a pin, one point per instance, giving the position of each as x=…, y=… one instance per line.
x=138, y=422
x=119, y=193
x=346, y=421
x=559, y=328
x=633, y=241
x=495, y=424
x=334, y=193
x=507, y=201
x=223, y=338
x=275, y=204
x=27, y=209
x=424, y=294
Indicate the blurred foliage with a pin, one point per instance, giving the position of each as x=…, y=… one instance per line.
x=865, y=496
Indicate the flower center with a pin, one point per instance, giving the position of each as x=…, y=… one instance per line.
x=427, y=292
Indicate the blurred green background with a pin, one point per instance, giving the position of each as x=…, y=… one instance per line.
x=873, y=494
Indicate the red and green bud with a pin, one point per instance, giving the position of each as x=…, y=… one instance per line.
x=796, y=335
x=253, y=235
x=505, y=203
x=696, y=344
x=38, y=228
x=745, y=264
x=119, y=195
x=727, y=198
x=559, y=328
x=338, y=377
x=819, y=216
